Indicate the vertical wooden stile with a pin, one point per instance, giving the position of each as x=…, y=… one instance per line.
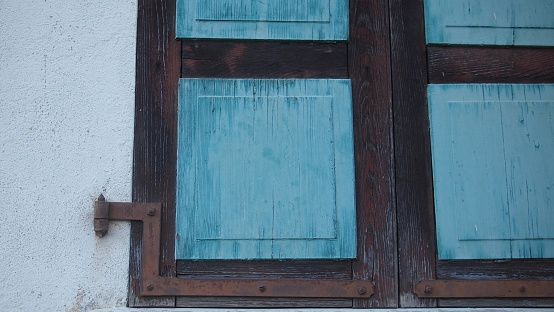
x=158, y=71
x=413, y=181
x=370, y=71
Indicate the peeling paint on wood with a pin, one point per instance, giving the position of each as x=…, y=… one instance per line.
x=272, y=20
x=493, y=170
x=265, y=170
x=491, y=22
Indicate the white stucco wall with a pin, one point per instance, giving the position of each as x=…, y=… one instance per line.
x=67, y=72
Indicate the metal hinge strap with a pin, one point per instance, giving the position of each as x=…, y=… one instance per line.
x=485, y=289
x=152, y=284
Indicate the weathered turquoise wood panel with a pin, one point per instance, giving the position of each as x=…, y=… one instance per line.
x=490, y=22
x=530, y=129
x=325, y=20
x=265, y=170
x=493, y=170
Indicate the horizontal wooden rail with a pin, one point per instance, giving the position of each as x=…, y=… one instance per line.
x=485, y=289
x=253, y=59
x=463, y=64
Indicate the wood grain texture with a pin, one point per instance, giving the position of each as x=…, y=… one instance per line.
x=265, y=170
x=318, y=269
x=493, y=303
x=492, y=149
x=205, y=59
x=268, y=20
x=490, y=65
x=528, y=126
x=272, y=11
x=370, y=71
x=496, y=270
x=456, y=122
x=413, y=175
x=158, y=59
x=264, y=269
x=492, y=22
x=253, y=302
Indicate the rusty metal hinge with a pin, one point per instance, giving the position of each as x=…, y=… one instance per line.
x=485, y=289
x=152, y=284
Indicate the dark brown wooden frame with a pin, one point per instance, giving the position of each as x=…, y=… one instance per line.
x=413, y=175
x=387, y=60
x=154, y=163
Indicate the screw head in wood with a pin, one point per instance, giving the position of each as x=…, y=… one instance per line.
x=428, y=289
x=361, y=290
x=151, y=212
x=149, y=287
x=262, y=288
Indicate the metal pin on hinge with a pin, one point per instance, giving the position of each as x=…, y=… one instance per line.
x=101, y=216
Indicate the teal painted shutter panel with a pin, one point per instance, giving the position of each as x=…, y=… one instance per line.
x=493, y=170
x=490, y=22
x=265, y=169
x=269, y=20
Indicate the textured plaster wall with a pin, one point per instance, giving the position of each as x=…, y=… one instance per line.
x=67, y=72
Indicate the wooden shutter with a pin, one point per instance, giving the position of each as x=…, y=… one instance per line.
x=265, y=170
x=364, y=59
x=493, y=171
x=415, y=64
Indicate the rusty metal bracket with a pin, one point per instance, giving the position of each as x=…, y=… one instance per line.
x=152, y=284
x=484, y=289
